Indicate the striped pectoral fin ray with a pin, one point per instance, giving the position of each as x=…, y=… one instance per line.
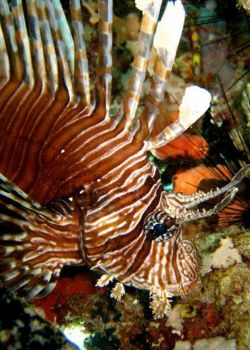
x=148, y=25
x=105, y=53
x=156, y=93
x=10, y=38
x=39, y=89
x=63, y=42
x=81, y=70
x=39, y=64
x=65, y=34
x=48, y=48
x=35, y=243
x=4, y=59
x=22, y=42
x=194, y=104
x=166, y=40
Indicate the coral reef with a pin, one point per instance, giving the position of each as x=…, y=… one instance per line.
x=215, y=315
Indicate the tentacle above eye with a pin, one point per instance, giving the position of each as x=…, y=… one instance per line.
x=179, y=206
x=190, y=215
x=182, y=213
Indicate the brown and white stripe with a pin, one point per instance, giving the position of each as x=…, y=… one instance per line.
x=55, y=143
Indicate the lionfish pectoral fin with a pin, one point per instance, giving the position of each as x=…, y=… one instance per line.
x=189, y=113
x=35, y=242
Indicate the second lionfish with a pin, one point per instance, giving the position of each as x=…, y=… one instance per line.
x=76, y=184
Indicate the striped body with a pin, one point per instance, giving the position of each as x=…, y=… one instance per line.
x=119, y=189
x=62, y=150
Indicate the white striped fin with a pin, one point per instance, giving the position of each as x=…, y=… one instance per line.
x=13, y=196
x=10, y=38
x=60, y=47
x=49, y=48
x=4, y=59
x=23, y=42
x=35, y=38
x=168, y=32
x=81, y=71
x=65, y=34
x=151, y=10
x=105, y=52
x=194, y=104
x=35, y=242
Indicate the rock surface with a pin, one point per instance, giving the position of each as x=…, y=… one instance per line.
x=22, y=328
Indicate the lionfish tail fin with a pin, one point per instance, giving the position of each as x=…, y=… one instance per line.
x=35, y=242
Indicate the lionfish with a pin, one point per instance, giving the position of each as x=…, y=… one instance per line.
x=76, y=184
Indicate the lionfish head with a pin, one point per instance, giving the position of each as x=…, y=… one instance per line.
x=164, y=227
x=177, y=268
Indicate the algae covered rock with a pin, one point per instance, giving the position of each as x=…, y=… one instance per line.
x=22, y=328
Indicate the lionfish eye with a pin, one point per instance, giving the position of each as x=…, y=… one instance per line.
x=160, y=227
